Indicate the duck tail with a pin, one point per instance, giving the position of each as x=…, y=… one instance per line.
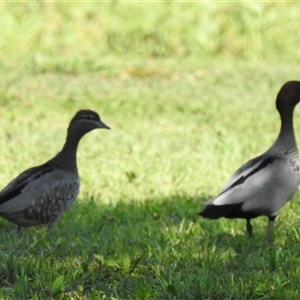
x=215, y=212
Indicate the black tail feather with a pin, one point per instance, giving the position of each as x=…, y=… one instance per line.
x=227, y=211
x=216, y=212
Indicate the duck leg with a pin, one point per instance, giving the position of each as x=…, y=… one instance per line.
x=271, y=228
x=19, y=230
x=249, y=228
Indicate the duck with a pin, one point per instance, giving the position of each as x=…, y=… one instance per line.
x=265, y=183
x=41, y=194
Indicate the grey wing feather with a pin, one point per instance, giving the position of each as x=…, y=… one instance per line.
x=16, y=186
x=243, y=171
x=251, y=179
x=34, y=190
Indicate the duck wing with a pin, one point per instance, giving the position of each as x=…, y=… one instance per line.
x=246, y=182
x=17, y=185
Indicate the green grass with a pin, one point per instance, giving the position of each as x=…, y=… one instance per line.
x=183, y=120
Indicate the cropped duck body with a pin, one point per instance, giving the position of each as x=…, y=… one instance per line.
x=264, y=184
x=41, y=194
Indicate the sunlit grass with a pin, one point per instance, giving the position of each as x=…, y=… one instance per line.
x=186, y=110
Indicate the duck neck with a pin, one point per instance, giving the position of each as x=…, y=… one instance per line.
x=286, y=141
x=66, y=158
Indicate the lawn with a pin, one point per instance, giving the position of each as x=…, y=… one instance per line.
x=181, y=122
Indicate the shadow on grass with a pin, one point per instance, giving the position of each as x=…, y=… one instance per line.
x=174, y=218
x=158, y=247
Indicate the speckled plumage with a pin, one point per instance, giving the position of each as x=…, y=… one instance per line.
x=41, y=194
x=264, y=184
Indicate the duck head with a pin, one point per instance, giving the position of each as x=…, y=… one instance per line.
x=288, y=96
x=84, y=121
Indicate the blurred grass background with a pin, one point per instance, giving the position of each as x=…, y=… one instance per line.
x=72, y=37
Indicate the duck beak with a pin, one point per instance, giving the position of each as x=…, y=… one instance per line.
x=102, y=125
